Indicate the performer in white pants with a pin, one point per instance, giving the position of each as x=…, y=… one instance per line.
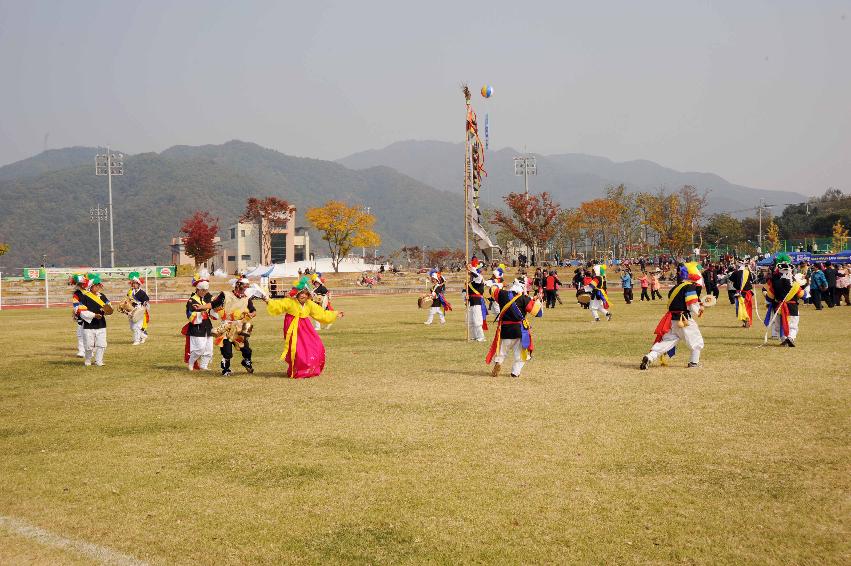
x=139, y=300
x=680, y=323
x=476, y=309
x=94, y=308
x=592, y=285
x=783, y=292
x=78, y=280
x=513, y=332
x=199, y=329
x=439, y=304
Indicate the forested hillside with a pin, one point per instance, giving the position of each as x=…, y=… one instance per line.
x=48, y=213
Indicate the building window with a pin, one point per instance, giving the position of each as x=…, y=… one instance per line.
x=246, y=257
x=299, y=253
x=242, y=233
x=231, y=258
x=233, y=233
x=279, y=248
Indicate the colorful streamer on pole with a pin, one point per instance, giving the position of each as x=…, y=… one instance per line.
x=474, y=174
x=487, y=131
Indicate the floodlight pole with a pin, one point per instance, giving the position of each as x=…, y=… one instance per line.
x=106, y=164
x=97, y=215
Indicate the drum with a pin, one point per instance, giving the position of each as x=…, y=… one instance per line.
x=584, y=299
x=709, y=301
x=137, y=314
x=424, y=302
x=246, y=329
x=125, y=307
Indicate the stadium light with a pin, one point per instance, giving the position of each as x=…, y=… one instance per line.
x=109, y=164
x=98, y=215
x=525, y=165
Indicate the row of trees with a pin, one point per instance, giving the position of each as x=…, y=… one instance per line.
x=620, y=222
x=342, y=226
x=623, y=223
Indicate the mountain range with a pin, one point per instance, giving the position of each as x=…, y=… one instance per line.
x=414, y=189
x=570, y=177
x=45, y=200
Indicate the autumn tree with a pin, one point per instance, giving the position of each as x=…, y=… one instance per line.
x=531, y=219
x=772, y=237
x=840, y=236
x=4, y=248
x=344, y=227
x=409, y=253
x=601, y=217
x=200, y=231
x=675, y=217
x=269, y=212
x=445, y=258
x=570, y=227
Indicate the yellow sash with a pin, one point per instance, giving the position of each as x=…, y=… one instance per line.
x=94, y=297
x=676, y=291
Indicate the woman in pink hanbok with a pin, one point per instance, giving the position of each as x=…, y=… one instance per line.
x=303, y=349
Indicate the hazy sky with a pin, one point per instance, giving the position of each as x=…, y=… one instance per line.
x=756, y=91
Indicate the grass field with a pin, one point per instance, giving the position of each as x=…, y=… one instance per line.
x=406, y=451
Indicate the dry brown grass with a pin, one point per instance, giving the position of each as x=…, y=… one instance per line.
x=405, y=450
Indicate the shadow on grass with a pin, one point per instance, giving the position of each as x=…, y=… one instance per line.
x=67, y=362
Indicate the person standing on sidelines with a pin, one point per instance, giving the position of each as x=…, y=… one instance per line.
x=626, y=282
x=818, y=285
x=645, y=283
x=93, y=309
x=655, y=285
x=551, y=285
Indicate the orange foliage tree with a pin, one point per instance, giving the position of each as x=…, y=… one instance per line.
x=675, y=217
x=532, y=218
x=344, y=227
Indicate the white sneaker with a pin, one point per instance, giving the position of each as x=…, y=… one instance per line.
x=87, y=363
x=135, y=343
x=81, y=354
x=427, y=322
x=99, y=364
x=143, y=339
x=190, y=367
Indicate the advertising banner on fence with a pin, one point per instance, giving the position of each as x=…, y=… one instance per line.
x=33, y=273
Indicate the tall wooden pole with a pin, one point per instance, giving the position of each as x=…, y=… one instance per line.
x=468, y=185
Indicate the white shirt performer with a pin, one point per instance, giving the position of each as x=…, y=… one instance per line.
x=679, y=322
x=93, y=309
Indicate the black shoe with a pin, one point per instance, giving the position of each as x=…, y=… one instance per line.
x=247, y=365
x=226, y=372
x=514, y=375
x=790, y=342
x=608, y=316
x=645, y=363
x=693, y=365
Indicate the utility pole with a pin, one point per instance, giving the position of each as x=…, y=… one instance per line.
x=110, y=164
x=363, y=249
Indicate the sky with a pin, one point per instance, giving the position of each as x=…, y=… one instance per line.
x=756, y=91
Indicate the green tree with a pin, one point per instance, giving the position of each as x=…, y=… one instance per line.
x=723, y=229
